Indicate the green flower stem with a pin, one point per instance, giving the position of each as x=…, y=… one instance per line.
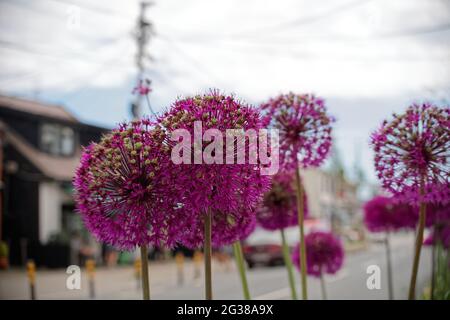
x=239, y=257
x=288, y=263
x=302, y=247
x=389, y=267
x=419, y=241
x=433, y=268
x=322, y=286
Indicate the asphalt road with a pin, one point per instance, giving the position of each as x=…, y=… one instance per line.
x=264, y=282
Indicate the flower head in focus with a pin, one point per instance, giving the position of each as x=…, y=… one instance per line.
x=123, y=188
x=412, y=154
x=304, y=126
x=215, y=186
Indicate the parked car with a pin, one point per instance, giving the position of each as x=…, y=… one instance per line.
x=264, y=247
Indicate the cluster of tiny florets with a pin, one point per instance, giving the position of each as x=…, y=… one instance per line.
x=229, y=192
x=387, y=214
x=122, y=187
x=412, y=154
x=278, y=210
x=324, y=253
x=304, y=127
x=216, y=187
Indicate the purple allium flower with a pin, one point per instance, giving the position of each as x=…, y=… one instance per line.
x=325, y=253
x=434, y=194
x=413, y=150
x=143, y=88
x=384, y=214
x=278, y=209
x=304, y=126
x=122, y=188
x=216, y=187
x=441, y=236
x=437, y=215
x=438, y=220
x=226, y=229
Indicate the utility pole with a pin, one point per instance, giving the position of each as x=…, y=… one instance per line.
x=143, y=33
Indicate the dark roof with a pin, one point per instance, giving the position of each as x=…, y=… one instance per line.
x=58, y=168
x=55, y=167
x=37, y=108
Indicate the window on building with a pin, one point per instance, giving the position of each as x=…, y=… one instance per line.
x=57, y=139
x=67, y=141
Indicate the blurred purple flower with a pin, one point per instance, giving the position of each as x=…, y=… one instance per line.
x=122, y=191
x=304, y=127
x=384, y=214
x=143, y=88
x=324, y=253
x=414, y=149
x=278, y=209
x=438, y=215
x=441, y=236
x=438, y=220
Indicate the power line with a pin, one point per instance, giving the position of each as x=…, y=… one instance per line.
x=412, y=32
x=47, y=14
x=110, y=63
x=302, y=21
x=307, y=55
x=312, y=18
x=94, y=9
x=416, y=31
x=27, y=49
x=193, y=61
x=97, y=73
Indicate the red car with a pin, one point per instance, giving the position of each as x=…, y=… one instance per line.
x=264, y=247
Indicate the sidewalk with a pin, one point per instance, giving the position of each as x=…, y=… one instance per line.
x=110, y=283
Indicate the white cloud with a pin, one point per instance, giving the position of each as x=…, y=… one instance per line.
x=367, y=57
x=330, y=49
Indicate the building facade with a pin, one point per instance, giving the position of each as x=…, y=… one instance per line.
x=331, y=197
x=40, y=148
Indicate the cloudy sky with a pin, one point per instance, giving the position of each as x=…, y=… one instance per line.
x=367, y=58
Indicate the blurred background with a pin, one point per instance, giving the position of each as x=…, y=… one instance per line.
x=67, y=70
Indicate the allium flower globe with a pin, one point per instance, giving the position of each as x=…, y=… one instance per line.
x=278, y=210
x=441, y=237
x=439, y=222
x=384, y=214
x=213, y=187
x=122, y=188
x=413, y=151
x=412, y=160
x=304, y=126
x=438, y=215
x=216, y=187
x=325, y=253
x=305, y=141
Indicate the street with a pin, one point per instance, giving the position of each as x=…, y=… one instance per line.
x=264, y=282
